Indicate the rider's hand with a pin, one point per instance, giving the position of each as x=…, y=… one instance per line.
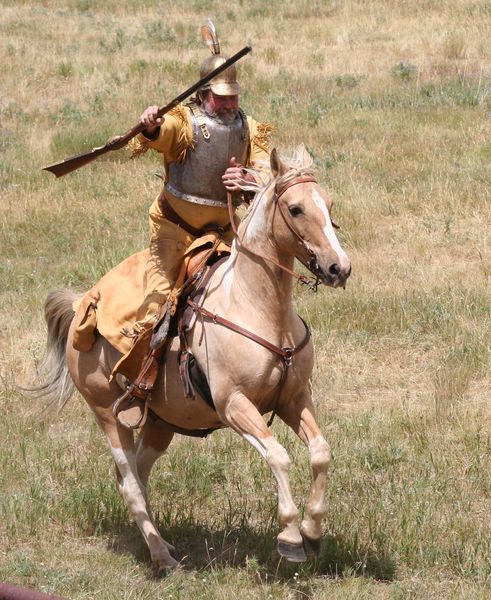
x=235, y=175
x=151, y=121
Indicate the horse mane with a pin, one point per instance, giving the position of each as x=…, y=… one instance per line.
x=296, y=168
x=264, y=178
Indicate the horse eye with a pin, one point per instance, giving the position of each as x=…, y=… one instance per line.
x=295, y=210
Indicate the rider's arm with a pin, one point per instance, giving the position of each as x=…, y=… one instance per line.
x=172, y=137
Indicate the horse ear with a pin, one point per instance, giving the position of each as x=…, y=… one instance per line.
x=305, y=158
x=277, y=167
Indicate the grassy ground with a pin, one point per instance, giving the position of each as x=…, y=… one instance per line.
x=392, y=100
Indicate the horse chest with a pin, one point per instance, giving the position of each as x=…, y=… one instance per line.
x=235, y=362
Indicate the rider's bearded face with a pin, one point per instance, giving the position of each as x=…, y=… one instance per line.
x=222, y=108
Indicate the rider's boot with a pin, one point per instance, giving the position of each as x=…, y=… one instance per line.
x=131, y=408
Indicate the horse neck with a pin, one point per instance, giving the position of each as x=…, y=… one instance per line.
x=257, y=281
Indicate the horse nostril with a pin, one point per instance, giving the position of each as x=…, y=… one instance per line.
x=334, y=269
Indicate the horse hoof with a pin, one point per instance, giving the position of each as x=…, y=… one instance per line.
x=165, y=571
x=173, y=553
x=311, y=547
x=166, y=566
x=292, y=552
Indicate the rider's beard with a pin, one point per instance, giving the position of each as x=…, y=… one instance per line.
x=225, y=116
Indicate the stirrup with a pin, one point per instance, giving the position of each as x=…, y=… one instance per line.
x=131, y=408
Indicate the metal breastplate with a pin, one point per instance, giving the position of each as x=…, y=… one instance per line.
x=199, y=178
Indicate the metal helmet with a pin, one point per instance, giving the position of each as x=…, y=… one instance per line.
x=225, y=83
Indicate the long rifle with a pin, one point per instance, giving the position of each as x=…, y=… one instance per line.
x=118, y=141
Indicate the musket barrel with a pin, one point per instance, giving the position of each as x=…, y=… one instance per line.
x=75, y=162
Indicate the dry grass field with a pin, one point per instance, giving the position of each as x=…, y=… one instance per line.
x=392, y=100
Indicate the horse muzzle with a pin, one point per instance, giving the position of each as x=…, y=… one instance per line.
x=333, y=275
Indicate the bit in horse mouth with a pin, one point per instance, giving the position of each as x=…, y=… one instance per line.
x=333, y=280
x=334, y=277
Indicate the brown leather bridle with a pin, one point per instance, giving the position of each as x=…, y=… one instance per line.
x=312, y=264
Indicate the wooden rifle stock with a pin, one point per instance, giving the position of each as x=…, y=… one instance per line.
x=119, y=141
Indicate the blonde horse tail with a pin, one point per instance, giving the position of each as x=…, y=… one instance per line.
x=57, y=385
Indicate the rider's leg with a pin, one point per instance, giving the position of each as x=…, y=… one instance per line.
x=168, y=243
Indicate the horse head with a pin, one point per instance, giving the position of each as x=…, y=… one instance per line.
x=301, y=219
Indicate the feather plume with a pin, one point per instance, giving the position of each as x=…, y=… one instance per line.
x=210, y=37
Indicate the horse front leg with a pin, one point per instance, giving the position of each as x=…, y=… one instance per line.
x=299, y=415
x=242, y=416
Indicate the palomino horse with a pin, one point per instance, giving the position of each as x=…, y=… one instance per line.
x=289, y=217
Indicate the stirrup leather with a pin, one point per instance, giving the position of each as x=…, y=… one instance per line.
x=131, y=408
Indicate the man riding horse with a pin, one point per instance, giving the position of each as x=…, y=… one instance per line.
x=246, y=317
x=206, y=147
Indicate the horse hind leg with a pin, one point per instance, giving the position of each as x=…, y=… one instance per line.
x=132, y=488
x=152, y=442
